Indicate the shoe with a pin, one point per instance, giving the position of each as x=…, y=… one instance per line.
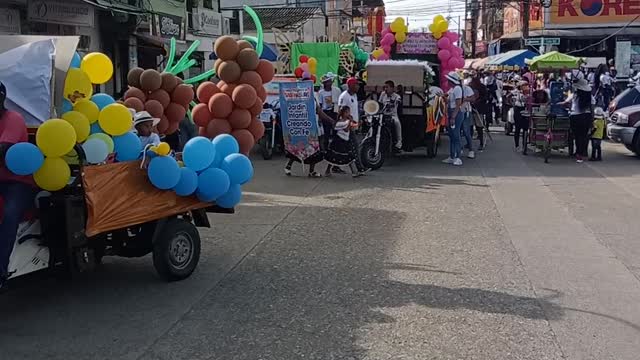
x=314, y=174
x=337, y=170
x=471, y=155
x=357, y=175
x=457, y=162
x=516, y=149
x=579, y=160
x=447, y=161
x=592, y=159
x=397, y=151
x=287, y=171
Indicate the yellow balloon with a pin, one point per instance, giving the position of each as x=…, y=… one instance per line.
x=163, y=149
x=55, y=137
x=88, y=108
x=313, y=65
x=71, y=157
x=115, y=119
x=438, y=18
x=437, y=35
x=98, y=67
x=77, y=85
x=401, y=37
x=80, y=124
x=377, y=53
x=442, y=26
x=53, y=175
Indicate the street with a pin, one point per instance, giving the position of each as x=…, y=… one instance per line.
x=503, y=258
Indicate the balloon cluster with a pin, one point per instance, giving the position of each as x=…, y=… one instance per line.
x=213, y=170
x=233, y=104
x=163, y=95
x=307, y=69
x=395, y=33
x=439, y=26
x=94, y=68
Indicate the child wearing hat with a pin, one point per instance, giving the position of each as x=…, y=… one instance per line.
x=597, y=134
x=145, y=125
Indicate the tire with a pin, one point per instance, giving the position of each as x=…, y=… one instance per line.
x=265, y=147
x=367, y=151
x=176, y=251
x=630, y=148
x=636, y=143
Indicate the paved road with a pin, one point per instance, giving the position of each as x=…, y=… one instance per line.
x=503, y=258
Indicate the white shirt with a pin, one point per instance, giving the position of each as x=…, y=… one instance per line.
x=351, y=101
x=394, y=100
x=606, y=80
x=466, y=104
x=152, y=139
x=455, y=93
x=342, y=127
x=328, y=100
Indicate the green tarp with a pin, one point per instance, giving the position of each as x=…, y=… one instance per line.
x=554, y=60
x=327, y=54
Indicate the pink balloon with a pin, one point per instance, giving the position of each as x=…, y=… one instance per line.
x=386, y=48
x=453, y=63
x=306, y=75
x=444, y=43
x=385, y=31
x=453, y=37
x=384, y=56
x=456, y=50
x=460, y=63
x=388, y=39
x=304, y=67
x=444, y=55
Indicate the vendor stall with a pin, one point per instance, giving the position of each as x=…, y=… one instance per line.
x=510, y=60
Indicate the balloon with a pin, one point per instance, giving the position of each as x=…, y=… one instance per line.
x=444, y=55
x=220, y=105
x=182, y=94
x=384, y=56
x=55, y=137
x=442, y=26
x=397, y=25
x=96, y=129
x=66, y=106
x=161, y=96
x=229, y=71
x=226, y=48
x=53, y=175
x=88, y=109
x=201, y=115
x=115, y=119
x=238, y=167
x=77, y=85
x=231, y=198
x=102, y=100
x=438, y=18
x=376, y=53
x=163, y=149
x=175, y=112
x=256, y=128
x=225, y=145
x=23, y=158
x=298, y=72
x=198, y=154
x=248, y=59
x=313, y=65
x=71, y=157
x=104, y=138
x=303, y=58
x=453, y=63
x=251, y=78
x=206, y=90
x=127, y=146
x=240, y=118
x=304, y=67
x=212, y=183
x=169, y=82
x=388, y=39
x=134, y=103
x=244, y=96
x=453, y=37
x=80, y=124
x=437, y=34
x=164, y=172
x=401, y=37
x=95, y=151
x=266, y=71
x=386, y=49
x=444, y=43
x=306, y=75
x=98, y=67
x=133, y=77
x=150, y=80
x=188, y=182
x=75, y=60
x=385, y=31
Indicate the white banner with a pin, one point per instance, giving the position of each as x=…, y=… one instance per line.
x=61, y=12
x=207, y=21
x=9, y=21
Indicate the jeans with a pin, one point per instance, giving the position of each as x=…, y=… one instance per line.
x=596, y=149
x=455, y=144
x=18, y=198
x=466, y=130
x=398, y=129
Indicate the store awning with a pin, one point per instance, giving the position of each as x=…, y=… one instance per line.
x=511, y=58
x=269, y=53
x=283, y=18
x=554, y=60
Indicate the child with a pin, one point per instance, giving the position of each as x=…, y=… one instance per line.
x=145, y=124
x=597, y=134
x=341, y=151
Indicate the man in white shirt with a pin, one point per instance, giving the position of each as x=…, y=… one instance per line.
x=468, y=96
x=455, y=118
x=328, y=95
x=390, y=102
x=350, y=98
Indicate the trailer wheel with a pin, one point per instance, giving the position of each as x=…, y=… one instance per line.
x=176, y=251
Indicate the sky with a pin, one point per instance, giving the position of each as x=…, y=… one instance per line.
x=420, y=13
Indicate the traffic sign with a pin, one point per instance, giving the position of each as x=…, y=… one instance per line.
x=539, y=41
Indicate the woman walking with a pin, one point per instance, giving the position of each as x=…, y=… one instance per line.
x=455, y=118
x=580, y=117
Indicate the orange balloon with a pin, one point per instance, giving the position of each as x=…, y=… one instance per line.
x=256, y=128
x=262, y=93
x=240, y=118
x=202, y=131
x=220, y=105
x=228, y=89
x=266, y=71
x=205, y=91
x=244, y=44
x=229, y=71
x=182, y=94
x=201, y=115
x=251, y=78
x=244, y=96
x=175, y=113
x=245, y=140
x=169, y=82
x=248, y=59
x=226, y=48
x=218, y=127
x=256, y=109
x=150, y=80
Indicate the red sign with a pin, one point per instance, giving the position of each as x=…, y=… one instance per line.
x=589, y=12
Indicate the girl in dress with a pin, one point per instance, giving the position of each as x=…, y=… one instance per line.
x=341, y=151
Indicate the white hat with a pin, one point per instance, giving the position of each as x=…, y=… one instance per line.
x=453, y=77
x=598, y=112
x=582, y=84
x=142, y=117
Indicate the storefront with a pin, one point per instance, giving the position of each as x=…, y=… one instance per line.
x=206, y=27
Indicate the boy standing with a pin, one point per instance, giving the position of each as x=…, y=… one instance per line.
x=597, y=134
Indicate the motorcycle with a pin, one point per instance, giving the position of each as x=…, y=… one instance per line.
x=376, y=145
x=270, y=117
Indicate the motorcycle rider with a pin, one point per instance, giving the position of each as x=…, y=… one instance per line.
x=16, y=192
x=390, y=103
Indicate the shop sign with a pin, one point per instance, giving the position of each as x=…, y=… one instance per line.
x=572, y=13
x=207, y=21
x=513, y=17
x=61, y=12
x=418, y=43
x=9, y=21
x=168, y=26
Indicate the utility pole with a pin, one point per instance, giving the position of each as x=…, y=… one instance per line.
x=474, y=24
x=525, y=22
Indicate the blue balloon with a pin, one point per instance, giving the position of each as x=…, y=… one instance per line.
x=164, y=172
x=66, y=106
x=188, y=182
x=238, y=167
x=95, y=128
x=212, y=183
x=231, y=198
x=75, y=60
x=102, y=100
x=198, y=153
x=127, y=146
x=95, y=151
x=225, y=144
x=23, y=158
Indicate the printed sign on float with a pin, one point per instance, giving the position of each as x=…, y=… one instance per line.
x=418, y=43
x=298, y=119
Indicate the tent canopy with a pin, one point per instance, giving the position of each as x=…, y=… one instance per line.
x=511, y=58
x=554, y=60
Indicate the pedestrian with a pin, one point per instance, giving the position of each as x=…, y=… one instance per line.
x=455, y=118
x=341, y=151
x=328, y=96
x=481, y=102
x=350, y=98
x=521, y=123
x=580, y=117
x=597, y=134
x=468, y=96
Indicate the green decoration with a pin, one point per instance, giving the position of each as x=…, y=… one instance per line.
x=327, y=54
x=185, y=57
x=172, y=55
x=256, y=20
x=184, y=67
x=200, y=77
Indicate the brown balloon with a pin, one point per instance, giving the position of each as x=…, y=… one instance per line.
x=256, y=109
x=244, y=96
x=218, y=127
x=256, y=128
x=228, y=89
x=262, y=93
x=163, y=125
x=251, y=78
x=216, y=65
x=202, y=131
x=178, y=81
x=244, y=44
x=162, y=96
x=240, y=118
x=245, y=140
x=226, y=48
x=169, y=82
x=134, y=103
x=248, y=59
x=135, y=92
x=154, y=108
x=150, y=80
x=229, y=71
x=175, y=112
x=205, y=91
x=220, y=105
x=182, y=94
x=201, y=114
x=173, y=127
x=133, y=77
x=266, y=71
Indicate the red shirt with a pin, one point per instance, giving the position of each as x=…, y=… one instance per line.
x=13, y=130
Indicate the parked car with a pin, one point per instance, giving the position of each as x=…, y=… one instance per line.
x=629, y=97
x=624, y=127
